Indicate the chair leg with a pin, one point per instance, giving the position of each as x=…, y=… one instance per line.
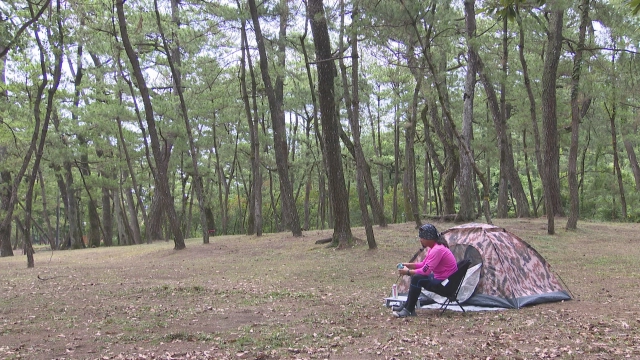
x=444, y=306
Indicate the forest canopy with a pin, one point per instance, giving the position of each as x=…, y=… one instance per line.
x=131, y=121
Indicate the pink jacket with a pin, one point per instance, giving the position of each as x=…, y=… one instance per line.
x=439, y=261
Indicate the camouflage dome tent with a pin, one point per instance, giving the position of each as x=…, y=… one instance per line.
x=512, y=275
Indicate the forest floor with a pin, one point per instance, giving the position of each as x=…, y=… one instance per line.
x=281, y=297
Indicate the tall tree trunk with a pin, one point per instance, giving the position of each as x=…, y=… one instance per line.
x=276, y=109
x=254, y=225
x=396, y=161
x=342, y=236
x=377, y=148
x=550, y=119
x=121, y=223
x=132, y=224
x=534, y=206
x=466, y=182
x=107, y=214
x=92, y=209
x=408, y=175
x=633, y=161
x=530, y=96
x=94, y=232
x=107, y=218
x=500, y=122
x=312, y=122
x=352, y=104
x=9, y=207
x=37, y=114
x=430, y=149
x=5, y=174
x=75, y=231
x=5, y=200
x=175, y=62
x=508, y=174
x=612, y=111
x=572, y=173
x=256, y=167
x=162, y=179
x=322, y=198
x=152, y=230
x=222, y=184
x=446, y=132
x=62, y=195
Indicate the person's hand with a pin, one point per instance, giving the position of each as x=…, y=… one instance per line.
x=403, y=271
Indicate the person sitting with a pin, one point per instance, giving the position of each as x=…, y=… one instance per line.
x=438, y=265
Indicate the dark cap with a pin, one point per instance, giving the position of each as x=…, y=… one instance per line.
x=428, y=232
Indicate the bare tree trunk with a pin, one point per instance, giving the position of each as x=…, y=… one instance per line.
x=9, y=206
x=256, y=167
x=133, y=225
x=189, y=216
x=152, y=229
x=528, y=171
x=251, y=203
x=446, y=133
x=57, y=72
x=572, y=173
x=449, y=169
x=94, y=233
x=162, y=179
x=409, y=178
x=342, y=236
x=408, y=175
x=222, y=184
x=174, y=60
x=352, y=105
x=322, y=198
x=254, y=225
x=276, y=110
x=531, y=97
x=633, y=161
x=550, y=119
x=508, y=175
x=616, y=161
x=5, y=200
x=430, y=149
x=73, y=214
x=107, y=214
x=377, y=148
x=396, y=161
x=123, y=237
x=447, y=130
x=466, y=181
x=5, y=175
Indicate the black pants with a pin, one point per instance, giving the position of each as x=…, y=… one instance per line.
x=417, y=283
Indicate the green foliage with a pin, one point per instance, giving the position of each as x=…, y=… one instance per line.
x=390, y=33
x=634, y=5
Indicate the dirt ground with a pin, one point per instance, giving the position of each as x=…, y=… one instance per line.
x=281, y=297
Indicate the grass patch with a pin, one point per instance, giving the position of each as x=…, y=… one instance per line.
x=185, y=336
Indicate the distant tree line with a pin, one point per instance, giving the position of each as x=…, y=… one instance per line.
x=133, y=121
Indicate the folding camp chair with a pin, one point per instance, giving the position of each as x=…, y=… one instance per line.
x=450, y=287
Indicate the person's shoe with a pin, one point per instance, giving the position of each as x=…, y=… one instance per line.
x=397, y=308
x=404, y=313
